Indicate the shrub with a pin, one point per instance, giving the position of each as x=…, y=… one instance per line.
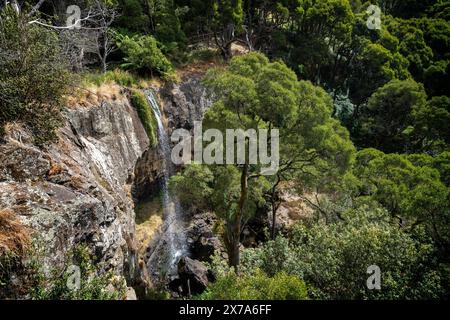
x=144, y=110
x=256, y=286
x=92, y=285
x=33, y=76
x=333, y=258
x=22, y=276
x=143, y=54
x=274, y=257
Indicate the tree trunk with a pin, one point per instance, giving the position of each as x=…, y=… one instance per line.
x=274, y=221
x=227, y=52
x=104, y=66
x=234, y=241
x=105, y=52
x=234, y=227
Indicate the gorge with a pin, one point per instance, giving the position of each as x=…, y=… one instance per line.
x=82, y=189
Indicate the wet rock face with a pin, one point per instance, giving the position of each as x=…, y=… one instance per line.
x=148, y=173
x=182, y=105
x=77, y=190
x=185, y=103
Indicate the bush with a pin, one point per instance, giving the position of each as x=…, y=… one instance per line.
x=33, y=76
x=257, y=286
x=144, y=110
x=93, y=286
x=274, y=257
x=333, y=258
x=23, y=276
x=143, y=54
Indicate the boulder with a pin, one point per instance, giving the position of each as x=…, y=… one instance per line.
x=194, y=276
x=200, y=236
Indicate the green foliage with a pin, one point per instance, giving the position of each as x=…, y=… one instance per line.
x=193, y=186
x=333, y=258
x=158, y=17
x=339, y=255
x=168, y=27
x=33, y=76
x=254, y=93
x=133, y=16
x=256, y=286
x=270, y=95
x=207, y=55
x=317, y=26
x=142, y=54
x=144, y=110
x=273, y=257
x=414, y=193
x=412, y=45
x=384, y=122
x=93, y=286
x=436, y=76
x=431, y=133
x=377, y=63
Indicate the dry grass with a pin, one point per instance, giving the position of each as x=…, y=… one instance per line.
x=14, y=236
x=146, y=231
x=198, y=68
x=55, y=169
x=238, y=49
x=148, y=222
x=93, y=95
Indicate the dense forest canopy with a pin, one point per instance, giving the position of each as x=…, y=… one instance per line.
x=363, y=113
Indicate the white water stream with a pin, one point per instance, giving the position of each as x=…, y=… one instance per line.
x=172, y=242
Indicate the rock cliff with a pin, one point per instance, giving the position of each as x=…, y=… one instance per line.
x=84, y=187
x=77, y=190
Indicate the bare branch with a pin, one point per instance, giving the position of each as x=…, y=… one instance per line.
x=36, y=8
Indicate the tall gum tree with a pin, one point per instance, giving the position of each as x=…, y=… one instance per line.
x=254, y=93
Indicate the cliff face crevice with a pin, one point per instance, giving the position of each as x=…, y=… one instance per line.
x=78, y=190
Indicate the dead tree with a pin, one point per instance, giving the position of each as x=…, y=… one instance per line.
x=104, y=18
x=90, y=33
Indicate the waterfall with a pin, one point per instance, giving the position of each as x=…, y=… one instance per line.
x=171, y=245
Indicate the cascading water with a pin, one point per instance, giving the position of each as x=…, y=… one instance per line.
x=171, y=243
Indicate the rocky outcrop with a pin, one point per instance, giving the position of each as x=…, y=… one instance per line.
x=184, y=102
x=293, y=208
x=147, y=175
x=203, y=242
x=78, y=190
x=193, y=278
x=83, y=188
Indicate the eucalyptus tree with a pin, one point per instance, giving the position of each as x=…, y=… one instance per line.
x=252, y=94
